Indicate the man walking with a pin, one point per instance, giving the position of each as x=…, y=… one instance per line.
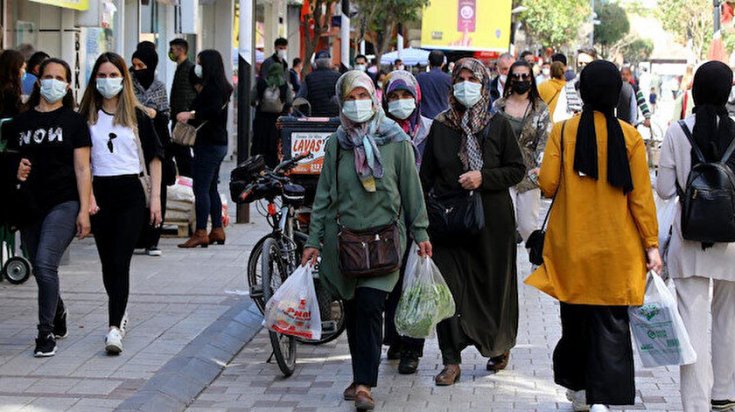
x=497, y=86
x=319, y=87
x=279, y=57
x=182, y=94
x=435, y=86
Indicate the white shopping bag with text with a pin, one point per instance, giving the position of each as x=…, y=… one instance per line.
x=294, y=308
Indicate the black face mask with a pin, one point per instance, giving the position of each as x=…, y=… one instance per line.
x=144, y=77
x=522, y=87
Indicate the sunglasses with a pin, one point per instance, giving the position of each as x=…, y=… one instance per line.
x=520, y=76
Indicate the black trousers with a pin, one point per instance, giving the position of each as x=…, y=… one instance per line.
x=364, y=317
x=150, y=235
x=116, y=229
x=595, y=353
x=391, y=336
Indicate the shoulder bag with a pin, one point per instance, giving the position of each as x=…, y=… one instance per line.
x=186, y=134
x=455, y=213
x=535, y=241
x=367, y=253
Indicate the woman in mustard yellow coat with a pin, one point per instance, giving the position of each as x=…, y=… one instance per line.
x=601, y=239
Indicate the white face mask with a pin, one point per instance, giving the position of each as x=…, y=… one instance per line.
x=359, y=111
x=281, y=54
x=198, y=71
x=468, y=93
x=400, y=67
x=402, y=108
x=360, y=67
x=546, y=72
x=53, y=90
x=109, y=87
x=380, y=85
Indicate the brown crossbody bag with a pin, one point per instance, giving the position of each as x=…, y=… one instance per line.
x=367, y=253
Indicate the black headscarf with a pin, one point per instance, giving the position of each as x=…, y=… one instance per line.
x=711, y=89
x=149, y=57
x=600, y=85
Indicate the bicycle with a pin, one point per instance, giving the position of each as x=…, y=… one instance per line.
x=277, y=255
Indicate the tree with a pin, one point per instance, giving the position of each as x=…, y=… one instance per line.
x=315, y=23
x=637, y=50
x=381, y=17
x=614, y=25
x=555, y=23
x=688, y=20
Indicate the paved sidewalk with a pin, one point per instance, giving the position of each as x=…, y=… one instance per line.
x=249, y=383
x=174, y=298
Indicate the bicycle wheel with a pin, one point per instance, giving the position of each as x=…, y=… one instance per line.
x=332, y=311
x=274, y=272
x=254, y=274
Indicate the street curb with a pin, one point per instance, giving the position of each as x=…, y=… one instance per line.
x=181, y=379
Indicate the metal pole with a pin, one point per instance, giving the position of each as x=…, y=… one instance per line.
x=246, y=77
x=717, y=16
x=345, y=37
x=592, y=21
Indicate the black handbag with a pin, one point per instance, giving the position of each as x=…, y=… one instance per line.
x=535, y=241
x=455, y=213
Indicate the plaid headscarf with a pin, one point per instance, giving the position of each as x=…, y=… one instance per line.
x=470, y=121
x=364, y=138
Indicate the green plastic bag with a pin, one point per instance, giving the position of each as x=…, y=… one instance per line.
x=426, y=299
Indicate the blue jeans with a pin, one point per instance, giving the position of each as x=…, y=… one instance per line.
x=205, y=175
x=46, y=241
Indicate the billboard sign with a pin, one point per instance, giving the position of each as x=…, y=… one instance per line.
x=476, y=25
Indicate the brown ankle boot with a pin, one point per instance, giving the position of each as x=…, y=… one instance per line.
x=199, y=238
x=217, y=235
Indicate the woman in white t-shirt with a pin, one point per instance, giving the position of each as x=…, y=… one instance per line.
x=121, y=132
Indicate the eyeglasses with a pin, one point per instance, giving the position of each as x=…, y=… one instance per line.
x=520, y=76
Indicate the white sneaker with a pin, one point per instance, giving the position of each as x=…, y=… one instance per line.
x=124, y=324
x=599, y=408
x=113, y=342
x=578, y=400
x=154, y=251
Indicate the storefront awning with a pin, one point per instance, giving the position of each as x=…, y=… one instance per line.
x=67, y=4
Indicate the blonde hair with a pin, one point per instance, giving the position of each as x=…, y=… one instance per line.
x=125, y=114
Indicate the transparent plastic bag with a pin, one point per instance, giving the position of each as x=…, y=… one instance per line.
x=666, y=213
x=658, y=330
x=426, y=299
x=294, y=308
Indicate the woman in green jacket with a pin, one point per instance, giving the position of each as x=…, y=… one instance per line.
x=378, y=182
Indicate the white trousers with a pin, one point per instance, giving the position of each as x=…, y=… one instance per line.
x=712, y=376
x=527, y=205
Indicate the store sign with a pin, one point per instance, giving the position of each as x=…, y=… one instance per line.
x=472, y=25
x=314, y=143
x=67, y=4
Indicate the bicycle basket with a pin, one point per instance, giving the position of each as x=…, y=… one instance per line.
x=248, y=170
x=293, y=195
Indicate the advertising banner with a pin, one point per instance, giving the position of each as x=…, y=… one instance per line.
x=473, y=25
x=67, y=4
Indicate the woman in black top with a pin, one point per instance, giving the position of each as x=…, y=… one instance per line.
x=12, y=68
x=54, y=145
x=121, y=133
x=208, y=110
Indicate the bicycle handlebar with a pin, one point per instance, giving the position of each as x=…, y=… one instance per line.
x=287, y=165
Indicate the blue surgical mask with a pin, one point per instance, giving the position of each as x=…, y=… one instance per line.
x=198, y=71
x=53, y=90
x=359, y=111
x=110, y=87
x=402, y=108
x=468, y=93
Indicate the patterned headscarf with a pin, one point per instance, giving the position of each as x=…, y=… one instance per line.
x=403, y=80
x=364, y=138
x=470, y=121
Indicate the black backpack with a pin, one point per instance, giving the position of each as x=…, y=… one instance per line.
x=708, y=200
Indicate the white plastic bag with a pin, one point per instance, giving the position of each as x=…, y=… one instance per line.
x=658, y=331
x=294, y=309
x=425, y=300
x=666, y=213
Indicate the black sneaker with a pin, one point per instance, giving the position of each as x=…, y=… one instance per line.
x=45, y=347
x=409, y=362
x=723, y=405
x=60, y=330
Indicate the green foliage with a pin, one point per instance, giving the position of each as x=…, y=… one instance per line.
x=688, y=20
x=382, y=16
x=614, y=24
x=638, y=50
x=555, y=23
